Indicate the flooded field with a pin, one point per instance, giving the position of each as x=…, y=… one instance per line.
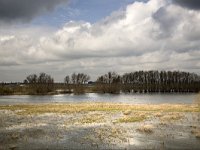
x=135, y=98
x=99, y=126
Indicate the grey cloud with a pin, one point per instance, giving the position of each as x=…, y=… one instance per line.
x=26, y=10
x=191, y=4
x=166, y=21
x=8, y=63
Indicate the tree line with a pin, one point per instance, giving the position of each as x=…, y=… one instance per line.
x=111, y=82
x=150, y=81
x=44, y=83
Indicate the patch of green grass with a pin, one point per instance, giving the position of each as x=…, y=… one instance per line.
x=130, y=119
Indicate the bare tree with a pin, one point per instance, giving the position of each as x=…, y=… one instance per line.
x=79, y=78
x=31, y=79
x=67, y=79
x=41, y=84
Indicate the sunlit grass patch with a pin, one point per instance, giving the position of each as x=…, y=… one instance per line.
x=196, y=132
x=146, y=129
x=133, y=117
x=86, y=119
x=158, y=114
x=127, y=112
x=106, y=134
x=130, y=119
x=91, y=119
x=28, y=109
x=171, y=117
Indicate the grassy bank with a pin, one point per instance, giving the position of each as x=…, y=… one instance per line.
x=25, y=109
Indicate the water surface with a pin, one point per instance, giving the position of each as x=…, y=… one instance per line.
x=93, y=97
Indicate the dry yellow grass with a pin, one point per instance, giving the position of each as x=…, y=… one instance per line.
x=127, y=112
x=26, y=109
x=171, y=117
x=196, y=133
x=130, y=119
x=87, y=119
x=158, y=114
x=106, y=134
x=146, y=129
x=110, y=133
x=133, y=117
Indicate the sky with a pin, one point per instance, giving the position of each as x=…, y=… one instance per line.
x=61, y=37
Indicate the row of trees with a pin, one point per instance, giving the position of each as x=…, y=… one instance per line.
x=77, y=82
x=79, y=78
x=151, y=77
x=44, y=83
x=149, y=81
x=42, y=78
x=139, y=81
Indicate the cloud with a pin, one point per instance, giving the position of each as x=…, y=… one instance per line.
x=191, y=4
x=146, y=35
x=26, y=10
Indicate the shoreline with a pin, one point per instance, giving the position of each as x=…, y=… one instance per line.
x=57, y=93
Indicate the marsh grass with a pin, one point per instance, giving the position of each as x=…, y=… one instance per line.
x=174, y=116
x=127, y=112
x=87, y=119
x=146, y=129
x=110, y=133
x=196, y=132
x=133, y=117
x=29, y=109
x=106, y=134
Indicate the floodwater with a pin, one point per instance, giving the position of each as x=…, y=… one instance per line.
x=59, y=131
x=79, y=130
x=94, y=97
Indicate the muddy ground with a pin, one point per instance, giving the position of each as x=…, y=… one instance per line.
x=118, y=129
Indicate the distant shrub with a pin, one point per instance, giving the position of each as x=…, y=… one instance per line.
x=5, y=91
x=41, y=84
x=78, y=89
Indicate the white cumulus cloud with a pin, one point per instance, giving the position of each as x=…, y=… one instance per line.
x=157, y=34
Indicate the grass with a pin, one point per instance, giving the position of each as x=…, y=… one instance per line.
x=87, y=119
x=110, y=133
x=127, y=112
x=28, y=109
x=196, y=133
x=146, y=129
x=171, y=117
x=91, y=119
x=133, y=117
x=106, y=134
